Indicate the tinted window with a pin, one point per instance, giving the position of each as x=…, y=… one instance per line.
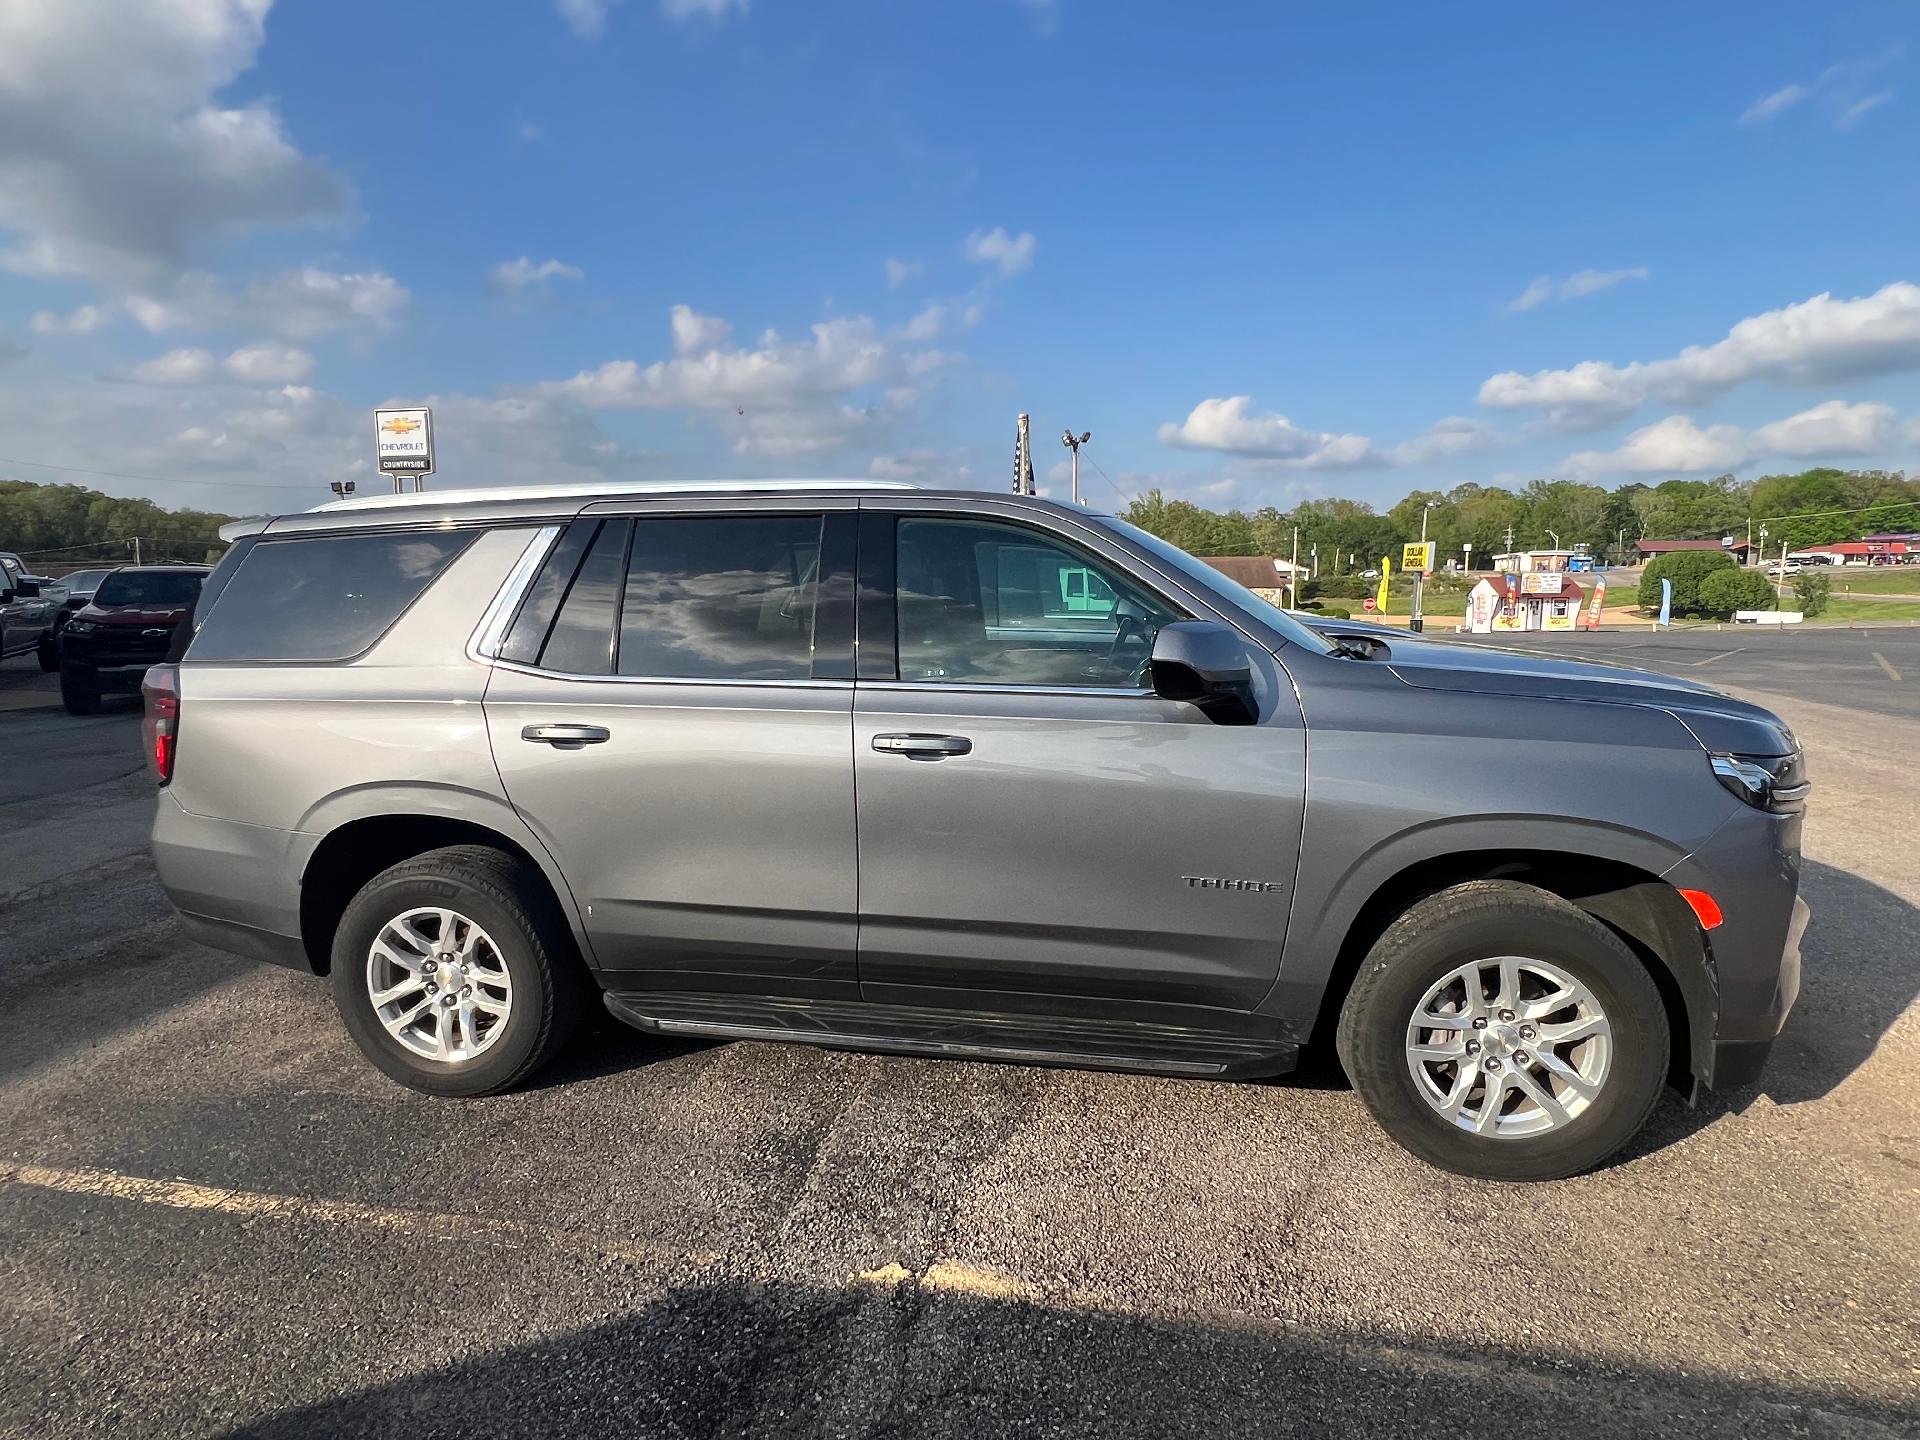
x=582, y=638
x=542, y=602
x=326, y=598
x=986, y=603
x=149, y=587
x=721, y=597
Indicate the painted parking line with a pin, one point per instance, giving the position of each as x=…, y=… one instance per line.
x=1892, y=674
x=349, y=1214
x=1721, y=656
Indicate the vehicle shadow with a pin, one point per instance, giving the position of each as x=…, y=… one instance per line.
x=777, y=1359
x=1860, y=972
x=605, y=1046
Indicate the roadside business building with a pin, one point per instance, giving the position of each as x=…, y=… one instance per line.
x=1536, y=600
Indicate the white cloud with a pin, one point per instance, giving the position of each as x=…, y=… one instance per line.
x=926, y=324
x=1832, y=430
x=1840, y=93
x=1777, y=103
x=264, y=363
x=1861, y=108
x=82, y=321
x=516, y=277
x=714, y=10
x=116, y=162
x=843, y=355
x=1228, y=426
x=798, y=434
x=586, y=18
x=1814, y=342
x=1582, y=282
x=1010, y=254
x=697, y=334
x=901, y=271
x=946, y=467
x=1447, y=439
x=302, y=304
x=269, y=364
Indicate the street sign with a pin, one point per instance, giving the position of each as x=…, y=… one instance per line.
x=404, y=441
x=1370, y=603
x=1418, y=556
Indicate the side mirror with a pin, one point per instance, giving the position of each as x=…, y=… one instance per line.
x=27, y=589
x=1205, y=664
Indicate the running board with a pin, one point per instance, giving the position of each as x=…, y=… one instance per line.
x=1079, y=1042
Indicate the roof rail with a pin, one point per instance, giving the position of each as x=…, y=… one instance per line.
x=601, y=490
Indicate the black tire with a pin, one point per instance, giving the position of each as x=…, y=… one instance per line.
x=510, y=903
x=48, y=653
x=76, y=696
x=1474, y=921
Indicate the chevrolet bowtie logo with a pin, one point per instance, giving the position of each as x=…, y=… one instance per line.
x=400, y=425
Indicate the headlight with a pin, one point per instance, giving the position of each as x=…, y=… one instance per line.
x=1766, y=782
x=79, y=627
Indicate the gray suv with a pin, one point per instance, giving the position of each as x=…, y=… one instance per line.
x=951, y=773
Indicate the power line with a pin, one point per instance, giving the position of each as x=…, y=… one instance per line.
x=1129, y=499
x=147, y=479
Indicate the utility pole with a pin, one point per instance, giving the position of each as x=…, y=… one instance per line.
x=1073, y=443
x=134, y=545
x=1293, y=575
x=1509, y=537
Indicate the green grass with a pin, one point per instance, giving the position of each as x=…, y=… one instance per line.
x=1887, y=580
x=1841, y=607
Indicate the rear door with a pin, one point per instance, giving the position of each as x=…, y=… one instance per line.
x=672, y=715
x=1037, y=830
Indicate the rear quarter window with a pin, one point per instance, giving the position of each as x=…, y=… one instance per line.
x=326, y=597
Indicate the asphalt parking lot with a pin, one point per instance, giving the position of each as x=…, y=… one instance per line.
x=215, y=1219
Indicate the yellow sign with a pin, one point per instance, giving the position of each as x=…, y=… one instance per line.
x=1418, y=556
x=1386, y=574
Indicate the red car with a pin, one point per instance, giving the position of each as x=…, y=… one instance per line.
x=128, y=626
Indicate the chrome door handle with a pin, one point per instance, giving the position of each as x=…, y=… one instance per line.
x=922, y=744
x=566, y=734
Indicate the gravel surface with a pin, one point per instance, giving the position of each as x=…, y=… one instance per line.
x=216, y=1219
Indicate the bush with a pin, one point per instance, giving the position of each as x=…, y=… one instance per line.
x=1337, y=612
x=1338, y=587
x=1687, y=569
x=1810, y=593
x=1727, y=590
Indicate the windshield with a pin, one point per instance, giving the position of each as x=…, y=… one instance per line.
x=1210, y=580
x=83, y=579
x=149, y=587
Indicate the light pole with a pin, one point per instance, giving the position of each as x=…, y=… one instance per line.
x=1417, y=623
x=1554, y=535
x=1074, y=442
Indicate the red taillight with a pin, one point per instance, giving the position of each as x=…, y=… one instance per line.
x=161, y=728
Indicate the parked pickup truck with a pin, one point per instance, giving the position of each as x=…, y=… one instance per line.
x=31, y=612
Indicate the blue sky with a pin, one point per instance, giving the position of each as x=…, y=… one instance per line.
x=1263, y=252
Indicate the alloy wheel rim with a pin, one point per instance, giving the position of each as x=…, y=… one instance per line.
x=1509, y=1046
x=439, y=985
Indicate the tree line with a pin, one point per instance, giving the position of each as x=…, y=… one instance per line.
x=63, y=527
x=1821, y=506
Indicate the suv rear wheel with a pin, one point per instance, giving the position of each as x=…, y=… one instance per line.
x=453, y=974
x=1496, y=1030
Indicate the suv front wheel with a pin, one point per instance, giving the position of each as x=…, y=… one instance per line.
x=1497, y=1031
x=453, y=974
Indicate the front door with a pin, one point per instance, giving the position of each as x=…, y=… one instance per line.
x=1037, y=830
x=671, y=714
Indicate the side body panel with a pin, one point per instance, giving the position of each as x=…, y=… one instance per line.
x=274, y=756
x=709, y=838
x=1400, y=776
